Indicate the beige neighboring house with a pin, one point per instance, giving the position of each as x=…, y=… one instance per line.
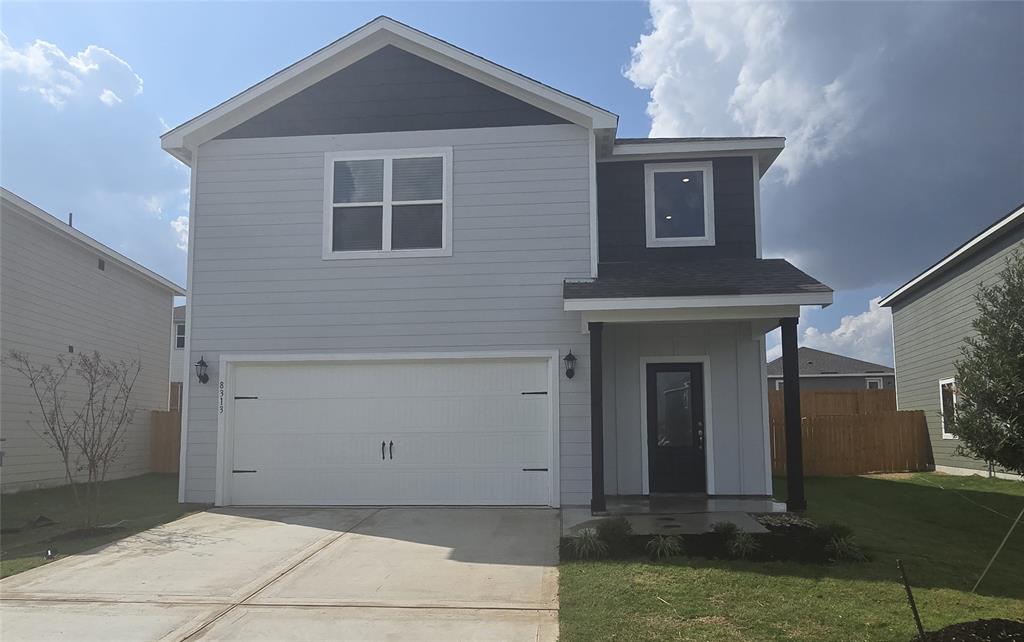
x=63, y=292
x=179, y=369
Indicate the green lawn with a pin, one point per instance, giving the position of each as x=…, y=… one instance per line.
x=141, y=502
x=944, y=528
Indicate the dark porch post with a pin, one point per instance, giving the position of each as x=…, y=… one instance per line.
x=596, y=421
x=794, y=437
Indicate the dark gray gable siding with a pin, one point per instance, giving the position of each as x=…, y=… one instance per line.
x=929, y=328
x=621, y=222
x=391, y=90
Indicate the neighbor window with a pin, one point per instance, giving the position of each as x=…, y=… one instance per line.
x=873, y=383
x=179, y=335
x=947, y=403
x=394, y=203
x=780, y=384
x=679, y=202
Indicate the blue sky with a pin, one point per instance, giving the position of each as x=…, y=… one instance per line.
x=903, y=120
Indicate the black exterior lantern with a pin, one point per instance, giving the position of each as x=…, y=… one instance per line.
x=570, y=365
x=201, y=370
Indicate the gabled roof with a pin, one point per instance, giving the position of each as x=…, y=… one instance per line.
x=986, y=237
x=372, y=36
x=12, y=200
x=818, y=362
x=765, y=148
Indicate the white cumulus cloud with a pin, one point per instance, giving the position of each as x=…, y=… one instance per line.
x=45, y=69
x=866, y=335
x=180, y=227
x=724, y=68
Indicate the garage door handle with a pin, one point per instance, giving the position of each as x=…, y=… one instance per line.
x=382, y=446
x=391, y=450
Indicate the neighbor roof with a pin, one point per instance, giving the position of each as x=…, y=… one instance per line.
x=706, y=277
x=818, y=362
x=372, y=36
x=10, y=199
x=986, y=237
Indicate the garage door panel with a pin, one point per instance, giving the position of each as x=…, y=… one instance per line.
x=460, y=432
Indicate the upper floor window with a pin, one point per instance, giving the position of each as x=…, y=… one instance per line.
x=179, y=335
x=679, y=201
x=388, y=203
x=873, y=383
x=947, y=404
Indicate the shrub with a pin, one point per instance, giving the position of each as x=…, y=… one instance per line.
x=588, y=546
x=616, y=533
x=843, y=548
x=724, y=529
x=742, y=545
x=664, y=546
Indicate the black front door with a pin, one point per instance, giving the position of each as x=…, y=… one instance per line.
x=675, y=427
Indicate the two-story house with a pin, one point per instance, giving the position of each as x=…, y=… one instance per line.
x=418, y=277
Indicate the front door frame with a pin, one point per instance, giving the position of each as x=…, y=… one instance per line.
x=709, y=460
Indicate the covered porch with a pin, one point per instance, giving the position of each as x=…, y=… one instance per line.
x=678, y=388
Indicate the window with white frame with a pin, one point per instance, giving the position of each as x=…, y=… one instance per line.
x=679, y=204
x=388, y=203
x=947, y=404
x=179, y=336
x=779, y=384
x=873, y=383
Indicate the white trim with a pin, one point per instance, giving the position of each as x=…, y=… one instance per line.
x=966, y=247
x=226, y=383
x=770, y=314
x=592, y=169
x=766, y=149
x=942, y=408
x=756, y=163
x=187, y=375
x=363, y=41
x=38, y=214
x=779, y=384
x=709, y=459
x=879, y=375
x=388, y=156
x=710, y=301
x=707, y=170
x=957, y=470
x=762, y=342
x=879, y=380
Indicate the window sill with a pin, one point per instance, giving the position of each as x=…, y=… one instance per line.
x=387, y=254
x=701, y=241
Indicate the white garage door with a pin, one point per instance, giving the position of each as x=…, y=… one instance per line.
x=446, y=432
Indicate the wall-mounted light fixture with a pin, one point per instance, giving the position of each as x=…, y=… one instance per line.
x=201, y=370
x=570, y=365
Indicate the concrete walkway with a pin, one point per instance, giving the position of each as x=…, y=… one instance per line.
x=303, y=573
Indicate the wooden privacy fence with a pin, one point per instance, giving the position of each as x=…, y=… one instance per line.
x=814, y=403
x=165, y=441
x=883, y=442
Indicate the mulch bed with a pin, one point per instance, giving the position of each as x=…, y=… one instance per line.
x=977, y=631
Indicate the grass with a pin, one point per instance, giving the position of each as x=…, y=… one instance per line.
x=944, y=528
x=140, y=502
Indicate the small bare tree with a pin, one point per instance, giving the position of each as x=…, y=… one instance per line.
x=86, y=427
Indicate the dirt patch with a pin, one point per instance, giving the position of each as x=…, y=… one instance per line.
x=977, y=631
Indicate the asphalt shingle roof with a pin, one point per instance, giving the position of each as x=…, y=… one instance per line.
x=814, y=362
x=694, y=278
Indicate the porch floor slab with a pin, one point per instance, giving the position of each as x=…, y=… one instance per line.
x=576, y=519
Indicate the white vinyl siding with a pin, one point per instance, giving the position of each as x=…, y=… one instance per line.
x=520, y=226
x=55, y=296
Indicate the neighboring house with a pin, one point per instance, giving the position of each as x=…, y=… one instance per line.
x=931, y=316
x=820, y=370
x=63, y=292
x=418, y=277
x=179, y=369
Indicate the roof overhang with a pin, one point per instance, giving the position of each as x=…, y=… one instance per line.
x=765, y=149
x=957, y=255
x=380, y=32
x=696, y=308
x=40, y=216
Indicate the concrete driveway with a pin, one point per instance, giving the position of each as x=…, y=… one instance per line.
x=303, y=573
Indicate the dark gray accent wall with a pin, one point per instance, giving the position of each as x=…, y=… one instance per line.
x=391, y=90
x=621, y=220
x=929, y=328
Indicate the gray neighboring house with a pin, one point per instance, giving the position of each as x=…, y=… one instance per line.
x=931, y=315
x=820, y=370
x=418, y=277
x=179, y=369
x=62, y=292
